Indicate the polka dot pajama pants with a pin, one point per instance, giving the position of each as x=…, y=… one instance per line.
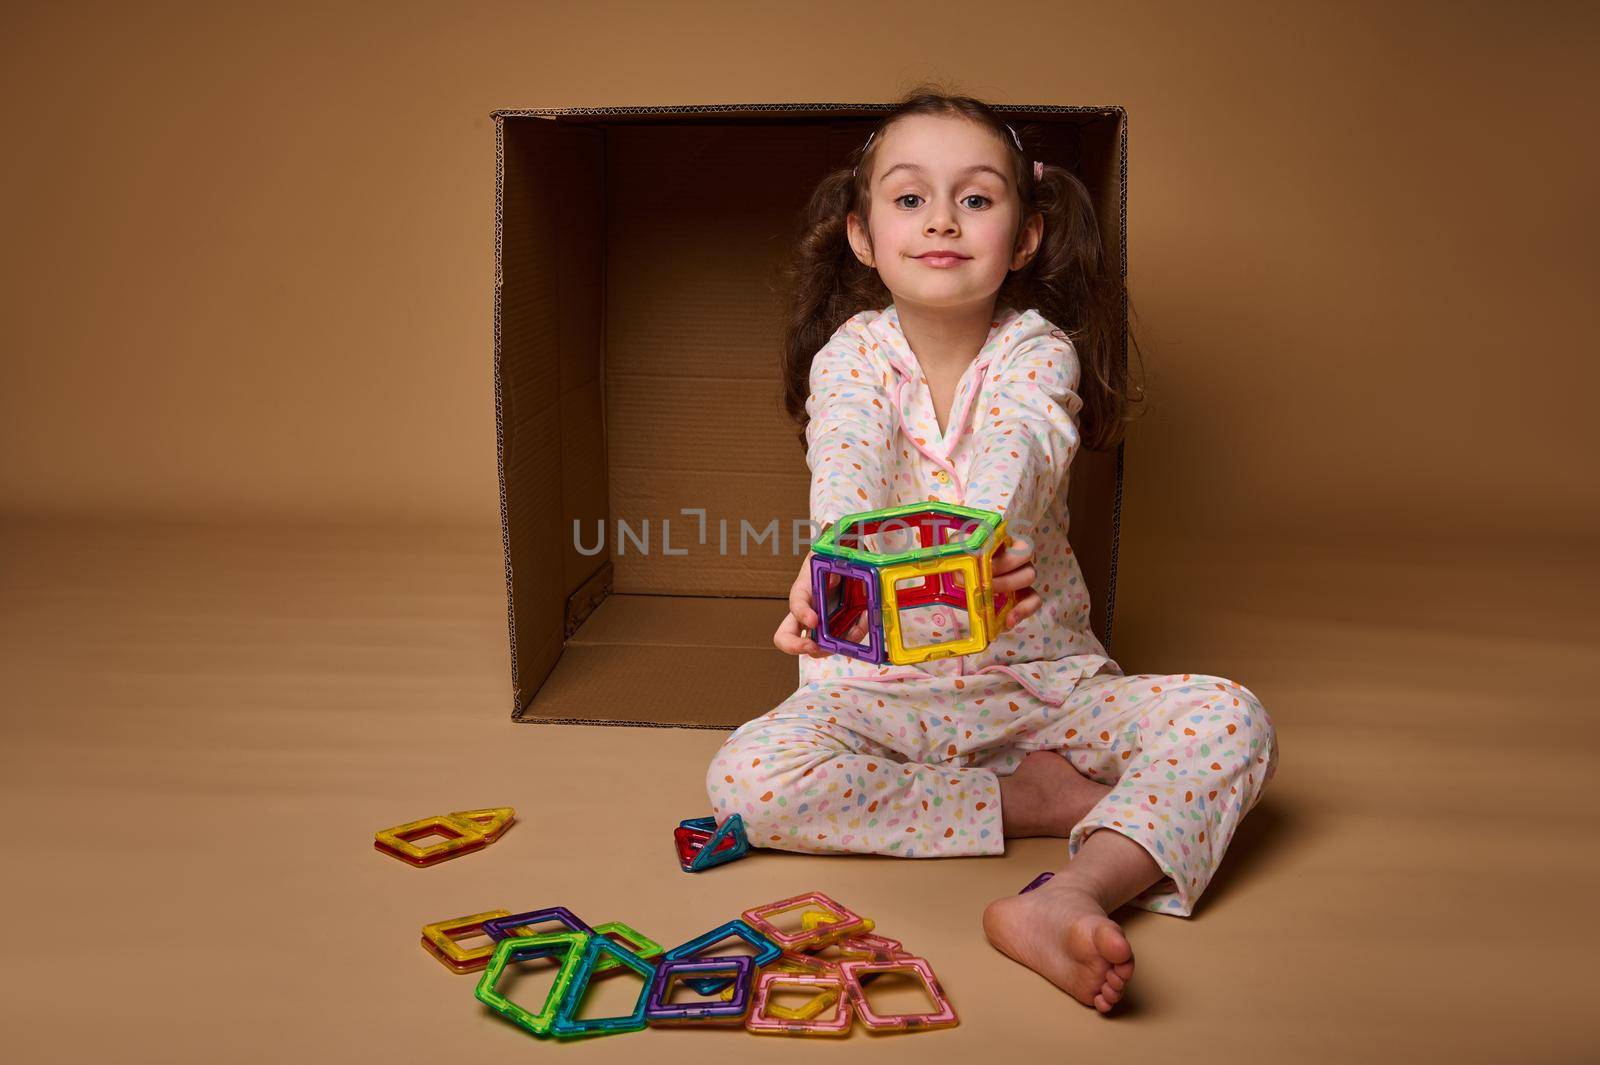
x=911, y=768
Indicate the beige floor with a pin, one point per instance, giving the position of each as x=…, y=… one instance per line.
x=204, y=726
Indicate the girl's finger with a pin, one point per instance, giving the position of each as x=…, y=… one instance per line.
x=791, y=641
x=809, y=645
x=1016, y=553
x=1016, y=579
x=800, y=604
x=787, y=636
x=1023, y=609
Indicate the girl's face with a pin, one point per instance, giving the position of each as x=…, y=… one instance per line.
x=943, y=184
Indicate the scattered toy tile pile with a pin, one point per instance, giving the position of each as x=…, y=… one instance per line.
x=831, y=957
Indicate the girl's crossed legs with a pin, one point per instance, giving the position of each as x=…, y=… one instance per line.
x=915, y=769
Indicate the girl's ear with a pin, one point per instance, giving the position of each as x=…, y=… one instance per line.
x=856, y=233
x=1028, y=240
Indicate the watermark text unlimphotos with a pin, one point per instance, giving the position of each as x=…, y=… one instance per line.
x=742, y=533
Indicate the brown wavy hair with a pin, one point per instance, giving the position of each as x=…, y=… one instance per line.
x=1068, y=280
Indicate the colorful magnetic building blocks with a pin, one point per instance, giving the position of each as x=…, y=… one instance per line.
x=881, y=578
x=442, y=940
x=745, y=986
x=459, y=833
x=702, y=844
x=660, y=1009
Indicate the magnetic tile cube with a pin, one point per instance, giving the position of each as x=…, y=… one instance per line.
x=861, y=588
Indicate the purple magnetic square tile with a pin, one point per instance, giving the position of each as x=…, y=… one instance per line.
x=503, y=927
x=872, y=651
x=742, y=966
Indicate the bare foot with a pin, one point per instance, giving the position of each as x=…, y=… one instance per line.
x=1061, y=932
x=1046, y=796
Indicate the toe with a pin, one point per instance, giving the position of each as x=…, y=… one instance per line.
x=1101, y=1004
x=1124, y=970
x=1112, y=944
x=1110, y=994
x=1115, y=982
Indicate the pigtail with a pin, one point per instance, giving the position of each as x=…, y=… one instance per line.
x=1070, y=282
x=825, y=284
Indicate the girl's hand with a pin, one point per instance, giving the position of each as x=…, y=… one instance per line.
x=790, y=639
x=1013, y=574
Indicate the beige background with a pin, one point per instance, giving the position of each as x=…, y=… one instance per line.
x=250, y=261
x=246, y=295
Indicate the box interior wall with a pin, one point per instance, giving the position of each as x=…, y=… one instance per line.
x=636, y=345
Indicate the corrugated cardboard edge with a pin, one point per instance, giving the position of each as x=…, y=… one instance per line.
x=612, y=721
x=1116, y=506
x=499, y=398
x=864, y=109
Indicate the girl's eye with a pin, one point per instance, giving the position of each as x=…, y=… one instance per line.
x=914, y=196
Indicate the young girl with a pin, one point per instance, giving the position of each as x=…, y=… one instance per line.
x=951, y=393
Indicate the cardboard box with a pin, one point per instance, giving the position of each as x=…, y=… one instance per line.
x=636, y=391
